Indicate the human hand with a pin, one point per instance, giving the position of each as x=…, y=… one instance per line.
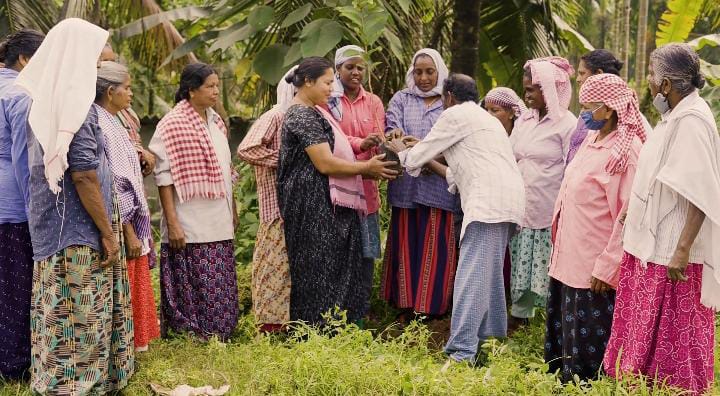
x=111, y=250
x=133, y=246
x=176, y=236
x=598, y=286
x=147, y=162
x=235, y=216
x=396, y=133
x=396, y=145
x=410, y=141
x=678, y=264
x=370, y=142
x=377, y=168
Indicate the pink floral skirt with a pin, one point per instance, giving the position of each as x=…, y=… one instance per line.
x=660, y=329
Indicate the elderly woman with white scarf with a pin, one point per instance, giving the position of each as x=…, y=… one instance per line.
x=81, y=318
x=664, y=324
x=270, y=271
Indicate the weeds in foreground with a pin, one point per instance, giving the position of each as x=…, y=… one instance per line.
x=348, y=360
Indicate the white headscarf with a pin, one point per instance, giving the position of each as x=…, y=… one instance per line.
x=285, y=91
x=60, y=78
x=335, y=104
x=442, y=71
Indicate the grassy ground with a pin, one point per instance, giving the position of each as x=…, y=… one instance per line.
x=391, y=361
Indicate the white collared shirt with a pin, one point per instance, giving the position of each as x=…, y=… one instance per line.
x=480, y=163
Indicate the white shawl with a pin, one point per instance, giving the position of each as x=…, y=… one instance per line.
x=442, y=71
x=285, y=91
x=60, y=78
x=695, y=176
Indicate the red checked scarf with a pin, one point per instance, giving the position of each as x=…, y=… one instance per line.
x=615, y=94
x=194, y=166
x=348, y=191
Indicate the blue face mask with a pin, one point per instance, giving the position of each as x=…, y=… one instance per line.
x=591, y=123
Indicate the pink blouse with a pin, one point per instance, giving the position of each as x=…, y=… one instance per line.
x=586, y=233
x=540, y=148
x=362, y=117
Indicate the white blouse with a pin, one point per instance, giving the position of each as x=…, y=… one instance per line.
x=203, y=220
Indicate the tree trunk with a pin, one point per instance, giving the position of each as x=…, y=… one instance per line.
x=616, y=27
x=466, y=37
x=603, y=23
x=626, y=40
x=641, y=54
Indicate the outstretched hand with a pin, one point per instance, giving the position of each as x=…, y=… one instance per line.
x=377, y=168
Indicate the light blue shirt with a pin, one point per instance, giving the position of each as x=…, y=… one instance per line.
x=14, y=174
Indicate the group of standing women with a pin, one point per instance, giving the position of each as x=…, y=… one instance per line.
x=77, y=301
x=619, y=238
x=320, y=145
x=604, y=241
x=627, y=239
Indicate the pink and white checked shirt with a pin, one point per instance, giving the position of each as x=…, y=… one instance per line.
x=587, y=236
x=260, y=148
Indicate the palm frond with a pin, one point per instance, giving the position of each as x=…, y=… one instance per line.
x=34, y=14
x=83, y=9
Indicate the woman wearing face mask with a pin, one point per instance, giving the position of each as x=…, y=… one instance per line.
x=322, y=199
x=421, y=249
x=362, y=118
x=664, y=324
x=16, y=255
x=113, y=94
x=505, y=105
x=598, y=61
x=587, y=241
x=540, y=141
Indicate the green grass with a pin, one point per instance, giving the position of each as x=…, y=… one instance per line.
x=353, y=362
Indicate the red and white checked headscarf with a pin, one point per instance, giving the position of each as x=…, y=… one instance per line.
x=553, y=74
x=615, y=94
x=506, y=97
x=194, y=165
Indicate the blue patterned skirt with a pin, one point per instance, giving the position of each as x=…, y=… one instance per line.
x=16, y=271
x=577, y=330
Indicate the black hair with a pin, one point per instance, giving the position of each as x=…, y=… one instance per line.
x=462, y=87
x=24, y=42
x=602, y=59
x=193, y=77
x=309, y=70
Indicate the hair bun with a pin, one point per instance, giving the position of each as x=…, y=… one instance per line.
x=698, y=81
x=290, y=78
x=619, y=64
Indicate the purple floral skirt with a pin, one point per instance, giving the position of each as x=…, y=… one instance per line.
x=199, y=291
